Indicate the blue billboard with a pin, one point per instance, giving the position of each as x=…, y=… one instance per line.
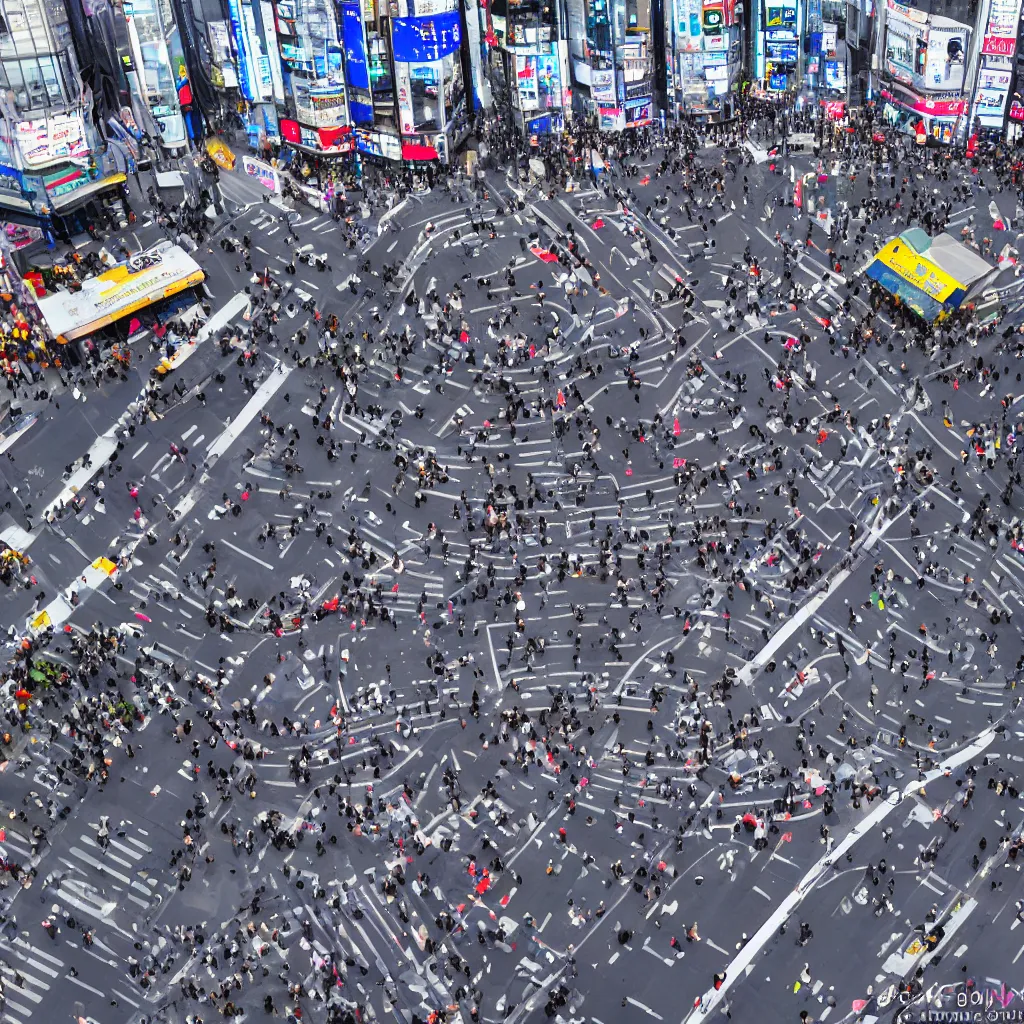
x=244, y=73
x=428, y=39
x=362, y=113
x=356, y=73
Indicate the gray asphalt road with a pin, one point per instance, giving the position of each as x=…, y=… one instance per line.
x=505, y=579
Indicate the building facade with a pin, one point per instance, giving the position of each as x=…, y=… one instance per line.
x=612, y=60
x=51, y=159
x=704, y=54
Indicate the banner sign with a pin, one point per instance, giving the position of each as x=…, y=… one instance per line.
x=419, y=40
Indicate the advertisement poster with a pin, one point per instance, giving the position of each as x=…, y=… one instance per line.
x=689, y=30
x=945, y=63
x=355, y=47
x=782, y=17
x=426, y=39
x=273, y=53
x=266, y=175
x=999, y=46
x=245, y=74
x=322, y=108
x=526, y=83
x=713, y=19
x=909, y=14
x=900, y=42
x=403, y=87
x=1002, y=19
x=610, y=119
x=19, y=236
x=540, y=86
x=425, y=80
x=990, y=97
x=428, y=8
x=43, y=142
x=835, y=75
x=638, y=112
x=220, y=45
x=602, y=87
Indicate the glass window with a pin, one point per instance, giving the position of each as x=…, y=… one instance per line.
x=51, y=81
x=34, y=83
x=15, y=81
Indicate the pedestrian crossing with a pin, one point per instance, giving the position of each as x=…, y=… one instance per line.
x=92, y=886
x=28, y=974
x=99, y=882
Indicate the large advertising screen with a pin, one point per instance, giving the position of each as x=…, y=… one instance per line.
x=425, y=39
x=602, y=87
x=900, y=44
x=355, y=46
x=539, y=83
x=245, y=72
x=425, y=96
x=945, y=58
x=991, y=95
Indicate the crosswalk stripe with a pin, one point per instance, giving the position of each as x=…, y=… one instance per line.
x=29, y=980
x=89, y=841
x=40, y=966
x=12, y=1005
x=38, y=952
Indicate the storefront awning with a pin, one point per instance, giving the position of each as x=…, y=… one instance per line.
x=415, y=151
x=62, y=204
x=907, y=98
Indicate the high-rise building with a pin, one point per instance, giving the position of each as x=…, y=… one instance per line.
x=532, y=61
x=612, y=61
x=51, y=160
x=946, y=67
x=315, y=118
x=387, y=79
x=703, y=53
x=157, y=70
x=406, y=74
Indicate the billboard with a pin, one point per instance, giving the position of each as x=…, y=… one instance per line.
x=539, y=82
x=610, y=119
x=945, y=58
x=781, y=17
x=425, y=39
x=990, y=96
x=602, y=87
x=43, y=142
x=245, y=72
x=835, y=74
x=321, y=108
x=266, y=175
x=356, y=73
x=1002, y=20
x=403, y=87
x=689, y=29
x=713, y=19
x=901, y=38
